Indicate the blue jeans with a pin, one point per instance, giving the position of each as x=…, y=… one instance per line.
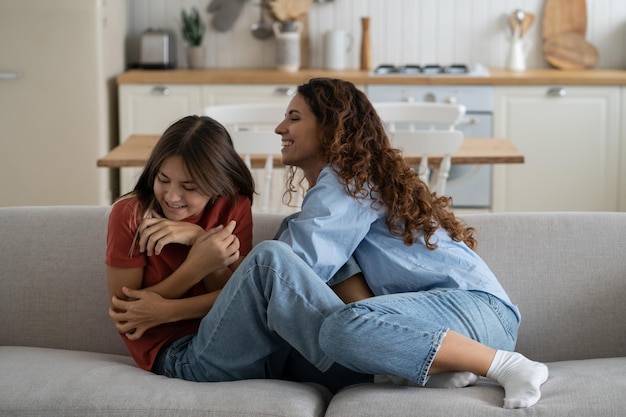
x=400, y=334
x=273, y=303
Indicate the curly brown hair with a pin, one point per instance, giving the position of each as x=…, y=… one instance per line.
x=355, y=145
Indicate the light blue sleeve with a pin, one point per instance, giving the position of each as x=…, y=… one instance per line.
x=330, y=226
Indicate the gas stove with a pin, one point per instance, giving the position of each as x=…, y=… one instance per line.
x=432, y=70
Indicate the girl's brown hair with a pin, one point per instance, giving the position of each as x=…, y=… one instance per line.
x=355, y=144
x=207, y=150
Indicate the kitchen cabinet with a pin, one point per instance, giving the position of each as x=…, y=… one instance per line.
x=213, y=94
x=569, y=136
x=150, y=109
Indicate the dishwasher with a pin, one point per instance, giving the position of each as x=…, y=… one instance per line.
x=469, y=185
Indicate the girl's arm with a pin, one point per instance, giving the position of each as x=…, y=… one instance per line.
x=211, y=252
x=145, y=309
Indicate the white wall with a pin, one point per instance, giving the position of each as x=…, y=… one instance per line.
x=402, y=31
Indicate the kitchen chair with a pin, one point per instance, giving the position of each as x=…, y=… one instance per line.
x=251, y=126
x=427, y=129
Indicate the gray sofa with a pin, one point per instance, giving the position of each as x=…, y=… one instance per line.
x=60, y=355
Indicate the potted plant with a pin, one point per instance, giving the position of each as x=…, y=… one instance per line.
x=193, y=29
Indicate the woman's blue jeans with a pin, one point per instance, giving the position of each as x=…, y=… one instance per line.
x=400, y=334
x=273, y=303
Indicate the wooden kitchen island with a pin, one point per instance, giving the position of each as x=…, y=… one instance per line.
x=134, y=152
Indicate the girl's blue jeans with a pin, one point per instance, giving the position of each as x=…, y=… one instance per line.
x=275, y=303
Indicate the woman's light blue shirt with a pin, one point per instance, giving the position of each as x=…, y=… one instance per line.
x=333, y=226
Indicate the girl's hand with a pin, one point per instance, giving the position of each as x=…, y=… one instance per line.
x=213, y=250
x=156, y=232
x=144, y=310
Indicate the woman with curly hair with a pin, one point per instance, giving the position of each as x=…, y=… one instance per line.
x=438, y=313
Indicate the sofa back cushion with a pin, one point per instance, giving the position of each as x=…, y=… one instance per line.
x=567, y=273
x=53, y=290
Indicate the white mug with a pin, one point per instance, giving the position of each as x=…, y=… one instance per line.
x=337, y=45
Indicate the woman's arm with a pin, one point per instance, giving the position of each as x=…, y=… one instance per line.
x=353, y=289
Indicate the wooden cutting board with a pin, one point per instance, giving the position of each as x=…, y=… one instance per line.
x=562, y=16
x=570, y=51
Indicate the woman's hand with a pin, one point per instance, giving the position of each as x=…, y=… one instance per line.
x=156, y=232
x=142, y=311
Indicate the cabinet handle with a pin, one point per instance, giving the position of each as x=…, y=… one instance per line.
x=10, y=75
x=284, y=91
x=557, y=92
x=470, y=121
x=160, y=90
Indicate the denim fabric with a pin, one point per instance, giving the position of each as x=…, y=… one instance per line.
x=400, y=334
x=273, y=302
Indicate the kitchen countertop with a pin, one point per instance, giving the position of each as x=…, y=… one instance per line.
x=270, y=76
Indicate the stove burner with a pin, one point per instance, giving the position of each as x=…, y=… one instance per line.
x=431, y=69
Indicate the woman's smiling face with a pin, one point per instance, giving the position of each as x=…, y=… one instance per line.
x=177, y=193
x=299, y=134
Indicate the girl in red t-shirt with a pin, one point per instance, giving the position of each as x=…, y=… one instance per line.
x=179, y=234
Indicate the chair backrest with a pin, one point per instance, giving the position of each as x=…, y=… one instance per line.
x=251, y=127
x=420, y=115
x=426, y=129
x=248, y=116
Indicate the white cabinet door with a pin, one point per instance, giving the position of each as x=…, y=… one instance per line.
x=150, y=109
x=570, y=140
x=213, y=94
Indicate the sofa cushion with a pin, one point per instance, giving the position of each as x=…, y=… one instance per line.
x=567, y=273
x=54, y=382
x=593, y=387
x=53, y=290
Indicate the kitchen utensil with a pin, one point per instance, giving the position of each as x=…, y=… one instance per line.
x=156, y=49
x=515, y=21
x=262, y=29
x=290, y=9
x=561, y=16
x=569, y=51
x=529, y=18
x=225, y=13
x=366, y=46
x=337, y=45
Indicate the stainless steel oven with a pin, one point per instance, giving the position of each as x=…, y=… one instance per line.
x=468, y=185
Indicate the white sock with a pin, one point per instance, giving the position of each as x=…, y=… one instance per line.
x=520, y=377
x=452, y=380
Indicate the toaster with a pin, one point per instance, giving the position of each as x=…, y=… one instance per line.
x=157, y=49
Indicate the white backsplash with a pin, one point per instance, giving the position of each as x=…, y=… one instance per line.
x=402, y=31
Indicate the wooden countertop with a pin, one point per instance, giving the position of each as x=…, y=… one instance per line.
x=134, y=152
x=270, y=76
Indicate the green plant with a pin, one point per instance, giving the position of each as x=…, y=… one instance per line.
x=193, y=27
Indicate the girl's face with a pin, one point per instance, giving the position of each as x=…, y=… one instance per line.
x=300, y=145
x=177, y=193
